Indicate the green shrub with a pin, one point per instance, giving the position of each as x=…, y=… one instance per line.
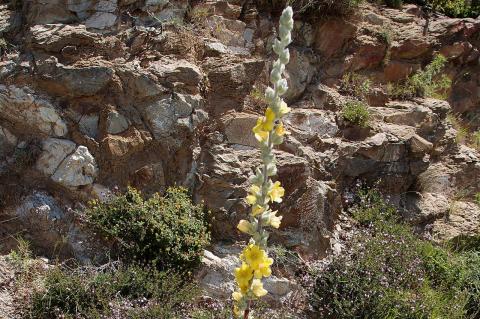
x=311, y=8
x=377, y=277
x=387, y=272
x=168, y=232
x=371, y=209
x=457, y=8
x=356, y=113
x=425, y=83
x=91, y=292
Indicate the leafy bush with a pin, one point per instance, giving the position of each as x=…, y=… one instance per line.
x=312, y=8
x=168, y=232
x=356, y=113
x=387, y=272
x=92, y=292
x=457, y=8
x=425, y=83
x=451, y=8
x=371, y=209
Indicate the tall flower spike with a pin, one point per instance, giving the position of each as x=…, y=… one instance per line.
x=269, y=131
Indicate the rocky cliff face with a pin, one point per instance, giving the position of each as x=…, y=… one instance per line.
x=98, y=95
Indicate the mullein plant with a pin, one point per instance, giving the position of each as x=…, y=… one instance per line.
x=269, y=131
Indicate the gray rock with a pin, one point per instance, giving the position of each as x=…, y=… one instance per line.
x=420, y=145
x=79, y=6
x=54, y=37
x=219, y=49
x=23, y=108
x=170, y=114
x=88, y=125
x=238, y=128
x=49, y=11
x=139, y=82
x=463, y=219
x=229, y=32
x=307, y=123
x=54, y=152
x=101, y=20
x=8, y=141
x=116, y=123
x=299, y=72
x=106, y=6
x=76, y=81
x=77, y=169
x=376, y=19
x=6, y=137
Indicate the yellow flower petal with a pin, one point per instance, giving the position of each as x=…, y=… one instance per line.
x=244, y=226
x=269, y=121
x=260, y=134
x=276, y=192
x=251, y=199
x=237, y=296
x=284, y=109
x=257, y=210
x=243, y=275
x=236, y=311
x=275, y=221
x=257, y=288
x=280, y=130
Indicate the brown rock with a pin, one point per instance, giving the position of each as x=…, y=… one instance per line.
x=230, y=81
x=125, y=144
x=399, y=70
x=332, y=35
x=420, y=145
x=410, y=48
x=369, y=54
x=456, y=50
x=238, y=128
x=463, y=219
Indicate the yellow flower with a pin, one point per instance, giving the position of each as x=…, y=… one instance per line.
x=269, y=120
x=236, y=311
x=280, y=130
x=244, y=226
x=276, y=192
x=243, y=275
x=252, y=197
x=284, y=109
x=264, y=269
x=257, y=288
x=264, y=125
x=237, y=296
x=260, y=134
x=275, y=221
x=257, y=210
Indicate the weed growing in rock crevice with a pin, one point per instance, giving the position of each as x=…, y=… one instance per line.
x=356, y=113
x=428, y=82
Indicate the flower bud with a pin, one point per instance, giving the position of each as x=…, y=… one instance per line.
x=269, y=94
x=275, y=75
x=277, y=46
x=284, y=57
x=282, y=86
